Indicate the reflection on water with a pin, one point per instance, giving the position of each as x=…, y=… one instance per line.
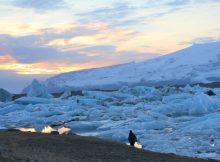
x=138, y=145
x=27, y=129
x=47, y=129
x=63, y=130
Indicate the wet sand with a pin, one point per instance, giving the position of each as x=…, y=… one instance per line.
x=35, y=147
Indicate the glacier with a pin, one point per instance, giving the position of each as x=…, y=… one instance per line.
x=199, y=63
x=180, y=120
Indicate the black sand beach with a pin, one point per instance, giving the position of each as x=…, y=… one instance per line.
x=35, y=147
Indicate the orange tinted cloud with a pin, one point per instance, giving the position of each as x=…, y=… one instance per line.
x=124, y=39
x=9, y=63
x=18, y=29
x=58, y=42
x=104, y=36
x=6, y=59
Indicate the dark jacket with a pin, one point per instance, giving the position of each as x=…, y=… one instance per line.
x=132, y=138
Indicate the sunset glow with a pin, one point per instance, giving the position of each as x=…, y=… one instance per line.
x=54, y=37
x=8, y=63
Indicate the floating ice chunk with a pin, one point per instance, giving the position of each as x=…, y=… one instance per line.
x=88, y=102
x=79, y=127
x=97, y=95
x=207, y=125
x=168, y=129
x=38, y=90
x=5, y=96
x=167, y=90
x=187, y=88
x=197, y=88
x=202, y=104
x=176, y=98
x=139, y=91
x=209, y=155
x=197, y=105
x=33, y=100
x=217, y=91
x=154, y=125
x=66, y=94
x=159, y=145
x=119, y=134
x=11, y=108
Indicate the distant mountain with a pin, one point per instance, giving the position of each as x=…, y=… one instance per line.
x=199, y=63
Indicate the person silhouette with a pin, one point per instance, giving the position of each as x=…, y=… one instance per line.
x=132, y=138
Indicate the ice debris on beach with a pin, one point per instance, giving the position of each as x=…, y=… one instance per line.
x=184, y=121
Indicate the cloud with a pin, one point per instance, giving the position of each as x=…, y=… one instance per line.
x=40, y=5
x=109, y=55
x=206, y=1
x=115, y=14
x=52, y=33
x=35, y=48
x=6, y=58
x=132, y=13
x=72, y=47
x=200, y=40
x=183, y=3
x=116, y=11
x=103, y=35
x=15, y=83
x=178, y=2
x=30, y=49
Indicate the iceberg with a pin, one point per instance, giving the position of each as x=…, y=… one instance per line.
x=32, y=100
x=66, y=94
x=5, y=96
x=38, y=90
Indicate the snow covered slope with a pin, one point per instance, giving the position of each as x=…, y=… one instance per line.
x=198, y=63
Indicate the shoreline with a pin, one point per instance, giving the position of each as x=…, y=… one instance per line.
x=38, y=147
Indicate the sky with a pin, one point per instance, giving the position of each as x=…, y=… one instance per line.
x=42, y=38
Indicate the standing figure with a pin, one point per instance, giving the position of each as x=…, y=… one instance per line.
x=132, y=138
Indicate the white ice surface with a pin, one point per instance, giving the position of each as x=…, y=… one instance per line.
x=184, y=121
x=37, y=89
x=199, y=63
